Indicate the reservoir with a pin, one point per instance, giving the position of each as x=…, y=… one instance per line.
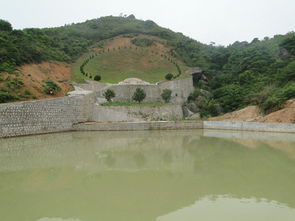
x=184, y=175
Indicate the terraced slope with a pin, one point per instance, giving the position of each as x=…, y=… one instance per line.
x=119, y=58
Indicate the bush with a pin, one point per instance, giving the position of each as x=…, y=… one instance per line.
x=15, y=84
x=143, y=42
x=51, y=87
x=5, y=26
x=169, y=76
x=139, y=95
x=230, y=97
x=109, y=94
x=193, y=96
x=272, y=103
x=277, y=100
x=6, y=97
x=166, y=95
x=97, y=78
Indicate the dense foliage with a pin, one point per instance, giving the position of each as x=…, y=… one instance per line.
x=51, y=87
x=166, y=95
x=109, y=95
x=139, y=95
x=143, y=42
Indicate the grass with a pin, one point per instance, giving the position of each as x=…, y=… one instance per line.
x=127, y=62
x=153, y=104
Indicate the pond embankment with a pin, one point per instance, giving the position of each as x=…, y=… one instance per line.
x=76, y=112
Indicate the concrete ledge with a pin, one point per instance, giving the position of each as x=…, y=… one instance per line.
x=249, y=126
x=130, y=126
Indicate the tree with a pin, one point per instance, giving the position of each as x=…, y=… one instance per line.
x=109, y=94
x=5, y=26
x=166, y=95
x=139, y=95
x=97, y=78
x=169, y=76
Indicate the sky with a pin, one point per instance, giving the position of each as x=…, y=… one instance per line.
x=219, y=21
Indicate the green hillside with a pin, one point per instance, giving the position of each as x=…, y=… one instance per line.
x=260, y=72
x=116, y=63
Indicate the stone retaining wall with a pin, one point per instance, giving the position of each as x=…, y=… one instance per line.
x=44, y=116
x=136, y=113
x=181, y=89
x=130, y=126
x=250, y=126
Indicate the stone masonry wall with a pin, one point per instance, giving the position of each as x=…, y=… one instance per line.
x=181, y=89
x=137, y=113
x=44, y=116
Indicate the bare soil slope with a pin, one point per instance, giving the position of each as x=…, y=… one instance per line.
x=253, y=114
x=33, y=77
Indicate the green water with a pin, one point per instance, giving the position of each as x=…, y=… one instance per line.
x=148, y=176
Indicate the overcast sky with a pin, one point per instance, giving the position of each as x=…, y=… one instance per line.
x=220, y=21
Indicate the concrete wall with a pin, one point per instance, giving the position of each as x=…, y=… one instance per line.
x=44, y=116
x=136, y=113
x=124, y=93
x=181, y=89
x=133, y=126
x=250, y=126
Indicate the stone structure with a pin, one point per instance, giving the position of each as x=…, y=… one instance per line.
x=249, y=126
x=136, y=113
x=83, y=105
x=44, y=116
x=181, y=89
x=134, y=126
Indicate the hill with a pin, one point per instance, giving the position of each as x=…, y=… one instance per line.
x=260, y=72
x=253, y=114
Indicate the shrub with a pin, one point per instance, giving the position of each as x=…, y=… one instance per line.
x=109, y=94
x=169, y=76
x=51, y=87
x=6, y=97
x=15, y=84
x=139, y=95
x=97, y=78
x=209, y=108
x=277, y=100
x=143, y=42
x=193, y=96
x=166, y=95
x=273, y=103
x=179, y=70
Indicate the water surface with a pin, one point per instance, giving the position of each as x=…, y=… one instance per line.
x=148, y=176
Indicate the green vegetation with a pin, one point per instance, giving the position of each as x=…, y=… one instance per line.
x=127, y=62
x=153, y=104
x=97, y=78
x=109, y=95
x=169, y=76
x=143, y=42
x=139, y=95
x=6, y=97
x=51, y=87
x=14, y=84
x=166, y=95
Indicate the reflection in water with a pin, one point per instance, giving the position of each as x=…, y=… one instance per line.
x=224, y=208
x=57, y=219
x=135, y=176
